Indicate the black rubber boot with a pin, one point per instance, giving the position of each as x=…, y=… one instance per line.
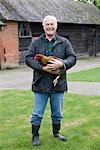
x=35, y=135
x=56, y=128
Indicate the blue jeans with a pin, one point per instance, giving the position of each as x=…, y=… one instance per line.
x=40, y=102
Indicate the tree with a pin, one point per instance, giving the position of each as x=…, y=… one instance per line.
x=95, y=2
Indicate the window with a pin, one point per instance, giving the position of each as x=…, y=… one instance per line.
x=24, y=30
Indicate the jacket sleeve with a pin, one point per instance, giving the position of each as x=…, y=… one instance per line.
x=30, y=61
x=70, y=56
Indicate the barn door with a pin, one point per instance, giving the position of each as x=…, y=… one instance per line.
x=98, y=41
x=25, y=38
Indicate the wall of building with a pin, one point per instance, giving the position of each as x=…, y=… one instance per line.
x=81, y=36
x=1, y=49
x=10, y=44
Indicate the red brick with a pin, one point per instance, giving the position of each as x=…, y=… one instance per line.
x=9, y=42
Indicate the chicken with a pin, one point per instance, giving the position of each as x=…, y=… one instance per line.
x=44, y=60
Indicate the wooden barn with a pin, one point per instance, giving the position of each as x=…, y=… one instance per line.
x=77, y=21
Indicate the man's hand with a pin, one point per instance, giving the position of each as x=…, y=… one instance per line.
x=47, y=69
x=55, y=64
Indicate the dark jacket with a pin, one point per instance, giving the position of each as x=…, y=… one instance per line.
x=43, y=81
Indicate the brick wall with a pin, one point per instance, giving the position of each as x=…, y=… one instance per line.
x=1, y=53
x=10, y=43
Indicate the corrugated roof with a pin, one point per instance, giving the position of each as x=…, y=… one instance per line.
x=66, y=11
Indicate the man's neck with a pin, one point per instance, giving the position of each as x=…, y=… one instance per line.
x=50, y=37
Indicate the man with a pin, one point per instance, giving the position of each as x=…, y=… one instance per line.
x=50, y=43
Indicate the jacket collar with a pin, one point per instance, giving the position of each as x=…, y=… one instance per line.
x=57, y=38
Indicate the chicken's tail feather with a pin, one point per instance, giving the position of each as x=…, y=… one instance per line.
x=55, y=81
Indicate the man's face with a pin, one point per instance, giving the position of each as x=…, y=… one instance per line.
x=50, y=27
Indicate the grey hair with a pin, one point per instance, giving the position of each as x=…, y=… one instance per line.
x=49, y=17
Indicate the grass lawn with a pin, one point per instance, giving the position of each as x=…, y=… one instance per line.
x=80, y=122
x=91, y=75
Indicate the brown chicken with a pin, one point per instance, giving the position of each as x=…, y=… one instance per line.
x=44, y=60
